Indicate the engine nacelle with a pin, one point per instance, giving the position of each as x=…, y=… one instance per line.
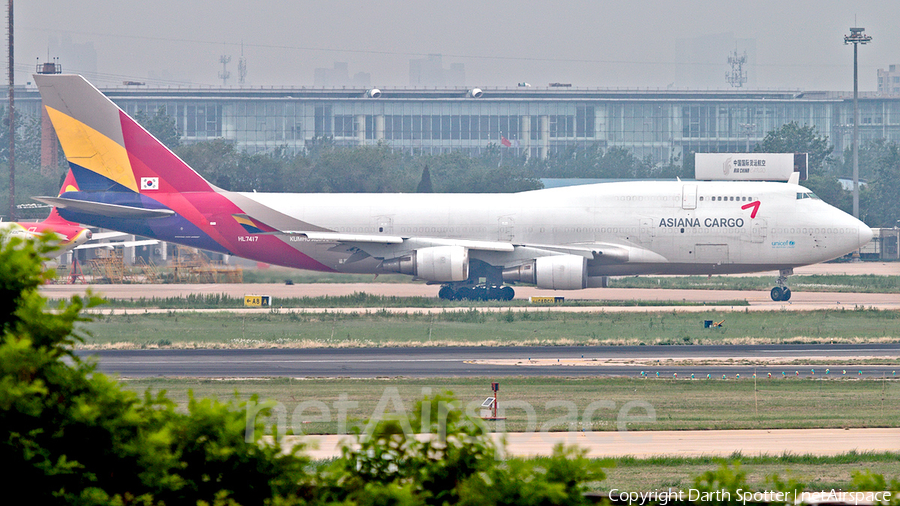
x=440, y=263
x=557, y=272
x=373, y=93
x=475, y=93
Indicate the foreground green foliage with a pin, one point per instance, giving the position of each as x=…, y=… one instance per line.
x=77, y=437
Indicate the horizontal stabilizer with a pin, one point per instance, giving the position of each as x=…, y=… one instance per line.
x=122, y=244
x=102, y=209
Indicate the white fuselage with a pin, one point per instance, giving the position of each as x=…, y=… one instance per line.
x=684, y=227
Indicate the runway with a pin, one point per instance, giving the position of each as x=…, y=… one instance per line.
x=718, y=443
x=557, y=361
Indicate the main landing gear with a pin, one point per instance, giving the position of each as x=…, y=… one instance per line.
x=485, y=282
x=476, y=292
x=781, y=293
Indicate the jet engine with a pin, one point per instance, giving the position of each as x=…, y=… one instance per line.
x=557, y=272
x=373, y=93
x=440, y=263
x=475, y=93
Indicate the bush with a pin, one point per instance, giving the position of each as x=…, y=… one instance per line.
x=75, y=436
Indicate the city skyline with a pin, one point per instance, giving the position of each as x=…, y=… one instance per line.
x=590, y=44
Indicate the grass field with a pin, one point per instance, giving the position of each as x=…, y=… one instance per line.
x=366, y=300
x=559, y=404
x=477, y=327
x=817, y=473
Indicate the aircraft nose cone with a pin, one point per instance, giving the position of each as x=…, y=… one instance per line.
x=865, y=234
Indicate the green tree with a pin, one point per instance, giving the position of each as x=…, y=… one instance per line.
x=870, y=155
x=829, y=189
x=794, y=138
x=216, y=160
x=457, y=172
x=161, y=125
x=880, y=203
x=364, y=169
x=74, y=436
x=425, y=183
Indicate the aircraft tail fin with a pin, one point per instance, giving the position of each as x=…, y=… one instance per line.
x=69, y=185
x=106, y=149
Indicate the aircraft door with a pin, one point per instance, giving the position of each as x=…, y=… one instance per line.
x=711, y=254
x=758, y=230
x=506, y=228
x=384, y=224
x=689, y=196
x=647, y=231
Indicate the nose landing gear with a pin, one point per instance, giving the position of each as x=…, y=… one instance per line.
x=781, y=293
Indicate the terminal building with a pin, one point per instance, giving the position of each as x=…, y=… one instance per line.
x=533, y=121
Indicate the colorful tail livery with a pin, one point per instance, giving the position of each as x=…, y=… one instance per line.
x=560, y=238
x=131, y=182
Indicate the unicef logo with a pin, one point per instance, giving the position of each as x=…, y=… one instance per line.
x=783, y=244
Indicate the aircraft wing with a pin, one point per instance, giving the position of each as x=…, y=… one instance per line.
x=383, y=246
x=415, y=242
x=604, y=253
x=388, y=246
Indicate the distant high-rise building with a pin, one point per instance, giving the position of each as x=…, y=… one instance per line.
x=79, y=58
x=430, y=71
x=361, y=79
x=889, y=80
x=337, y=76
x=340, y=76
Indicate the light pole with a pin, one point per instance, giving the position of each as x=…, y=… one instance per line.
x=748, y=129
x=856, y=38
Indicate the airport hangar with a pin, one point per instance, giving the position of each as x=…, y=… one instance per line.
x=535, y=121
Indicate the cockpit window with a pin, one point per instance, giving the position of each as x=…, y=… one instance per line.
x=806, y=195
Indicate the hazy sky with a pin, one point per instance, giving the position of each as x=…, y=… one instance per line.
x=794, y=44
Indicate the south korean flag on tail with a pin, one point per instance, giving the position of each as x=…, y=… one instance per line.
x=149, y=183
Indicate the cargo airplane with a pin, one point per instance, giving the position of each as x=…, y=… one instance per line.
x=473, y=244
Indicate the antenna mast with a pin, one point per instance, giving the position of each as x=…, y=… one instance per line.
x=224, y=74
x=737, y=76
x=242, y=67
